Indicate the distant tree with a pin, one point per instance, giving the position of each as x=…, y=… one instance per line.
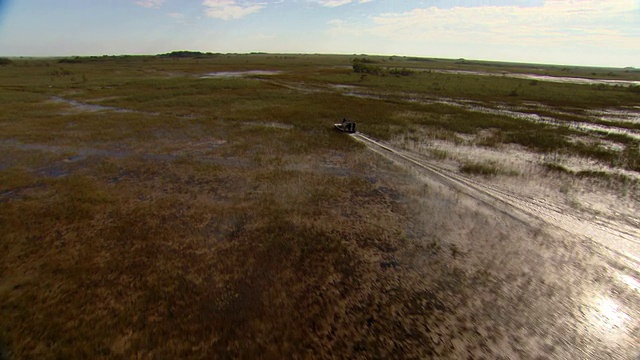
x=366, y=68
x=75, y=60
x=5, y=61
x=420, y=59
x=187, y=54
x=365, y=60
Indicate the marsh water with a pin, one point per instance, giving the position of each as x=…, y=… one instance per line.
x=548, y=78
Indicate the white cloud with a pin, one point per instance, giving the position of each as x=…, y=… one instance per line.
x=230, y=9
x=333, y=3
x=181, y=18
x=150, y=3
x=560, y=31
x=336, y=3
x=555, y=22
x=340, y=28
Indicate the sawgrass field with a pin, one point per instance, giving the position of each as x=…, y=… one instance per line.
x=171, y=207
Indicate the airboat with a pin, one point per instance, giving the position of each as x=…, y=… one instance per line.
x=346, y=126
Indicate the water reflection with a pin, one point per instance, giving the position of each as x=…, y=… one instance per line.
x=607, y=319
x=630, y=281
x=235, y=74
x=548, y=78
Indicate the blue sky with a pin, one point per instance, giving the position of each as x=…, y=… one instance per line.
x=573, y=32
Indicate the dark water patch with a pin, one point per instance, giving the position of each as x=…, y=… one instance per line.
x=84, y=107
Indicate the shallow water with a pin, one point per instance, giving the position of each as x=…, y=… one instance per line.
x=629, y=115
x=547, y=78
x=80, y=106
x=269, y=124
x=237, y=74
x=580, y=308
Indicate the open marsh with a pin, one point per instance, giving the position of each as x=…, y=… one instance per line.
x=147, y=212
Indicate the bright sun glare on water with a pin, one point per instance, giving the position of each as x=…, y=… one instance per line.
x=607, y=317
x=630, y=281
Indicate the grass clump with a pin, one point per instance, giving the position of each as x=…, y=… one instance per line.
x=439, y=154
x=365, y=66
x=401, y=72
x=631, y=156
x=557, y=168
x=484, y=169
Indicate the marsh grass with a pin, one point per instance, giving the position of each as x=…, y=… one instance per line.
x=439, y=154
x=445, y=122
x=493, y=89
x=148, y=232
x=555, y=167
x=485, y=169
x=166, y=236
x=181, y=227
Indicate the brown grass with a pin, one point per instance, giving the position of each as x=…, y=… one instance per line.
x=184, y=228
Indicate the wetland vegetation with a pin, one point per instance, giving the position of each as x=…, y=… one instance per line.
x=148, y=211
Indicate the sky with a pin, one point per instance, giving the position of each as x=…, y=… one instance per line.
x=568, y=32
